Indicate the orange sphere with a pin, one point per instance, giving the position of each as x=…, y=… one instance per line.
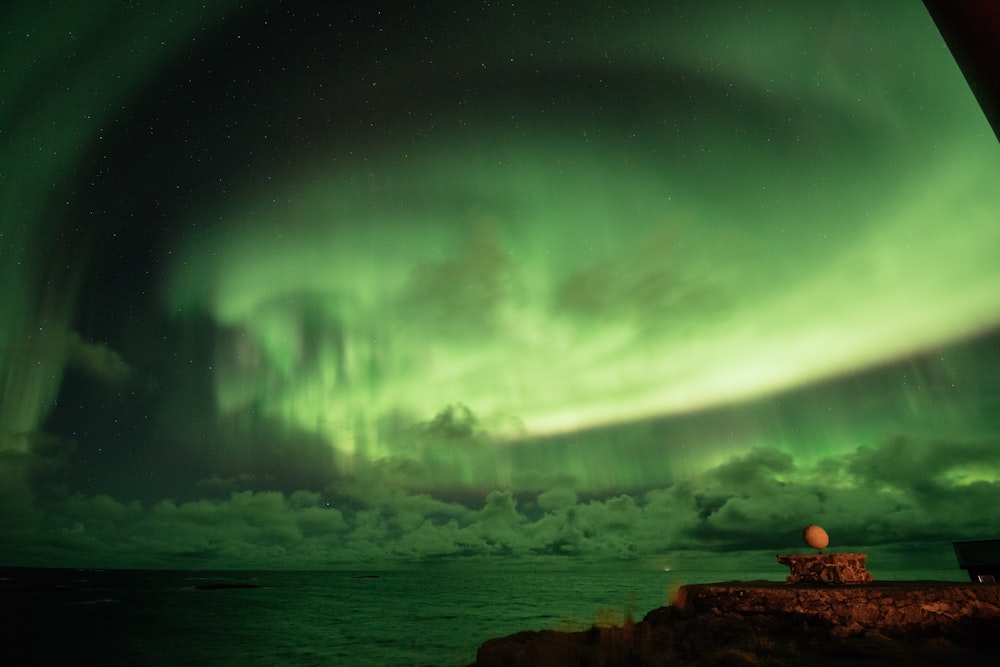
x=815, y=537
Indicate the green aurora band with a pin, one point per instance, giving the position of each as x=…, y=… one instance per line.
x=470, y=296
x=309, y=284
x=63, y=86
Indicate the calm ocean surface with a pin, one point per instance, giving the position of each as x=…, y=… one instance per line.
x=379, y=617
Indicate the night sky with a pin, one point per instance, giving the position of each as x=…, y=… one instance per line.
x=313, y=285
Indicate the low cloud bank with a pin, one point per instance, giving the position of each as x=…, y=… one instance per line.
x=898, y=493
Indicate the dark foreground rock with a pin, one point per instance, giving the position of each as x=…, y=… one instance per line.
x=730, y=635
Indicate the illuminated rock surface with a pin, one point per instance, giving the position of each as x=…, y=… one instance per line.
x=815, y=537
x=899, y=605
x=826, y=568
x=755, y=623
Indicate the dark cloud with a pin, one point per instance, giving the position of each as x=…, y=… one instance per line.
x=908, y=465
x=268, y=457
x=98, y=360
x=455, y=422
x=756, y=469
x=876, y=494
x=61, y=348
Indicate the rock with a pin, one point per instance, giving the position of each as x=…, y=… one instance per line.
x=826, y=568
x=815, y=537
x=722, y=624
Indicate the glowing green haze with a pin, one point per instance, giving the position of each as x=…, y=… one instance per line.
x=63, y=83
x=295, y=285
x=830, y=212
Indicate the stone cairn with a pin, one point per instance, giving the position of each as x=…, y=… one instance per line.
x=821, y=568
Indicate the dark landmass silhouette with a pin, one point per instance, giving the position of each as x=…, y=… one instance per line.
x=222, y=586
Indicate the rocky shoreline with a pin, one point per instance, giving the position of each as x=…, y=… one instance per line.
x=769, y=623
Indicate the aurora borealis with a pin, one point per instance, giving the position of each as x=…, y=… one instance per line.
x=297, y=288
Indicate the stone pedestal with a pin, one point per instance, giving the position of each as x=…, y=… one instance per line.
x=826, y=568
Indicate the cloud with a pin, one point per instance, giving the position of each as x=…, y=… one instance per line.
x=263, y=529
x=455, y=422
x=757, y=500
x=225, y=484
x=906, y=465
x=897, y=490
x=557, y=498
x=59, y=347
x=229, y=457
x=97, y=360
x=431, y=540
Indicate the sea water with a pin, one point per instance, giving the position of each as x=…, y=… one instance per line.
x=392, y=617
